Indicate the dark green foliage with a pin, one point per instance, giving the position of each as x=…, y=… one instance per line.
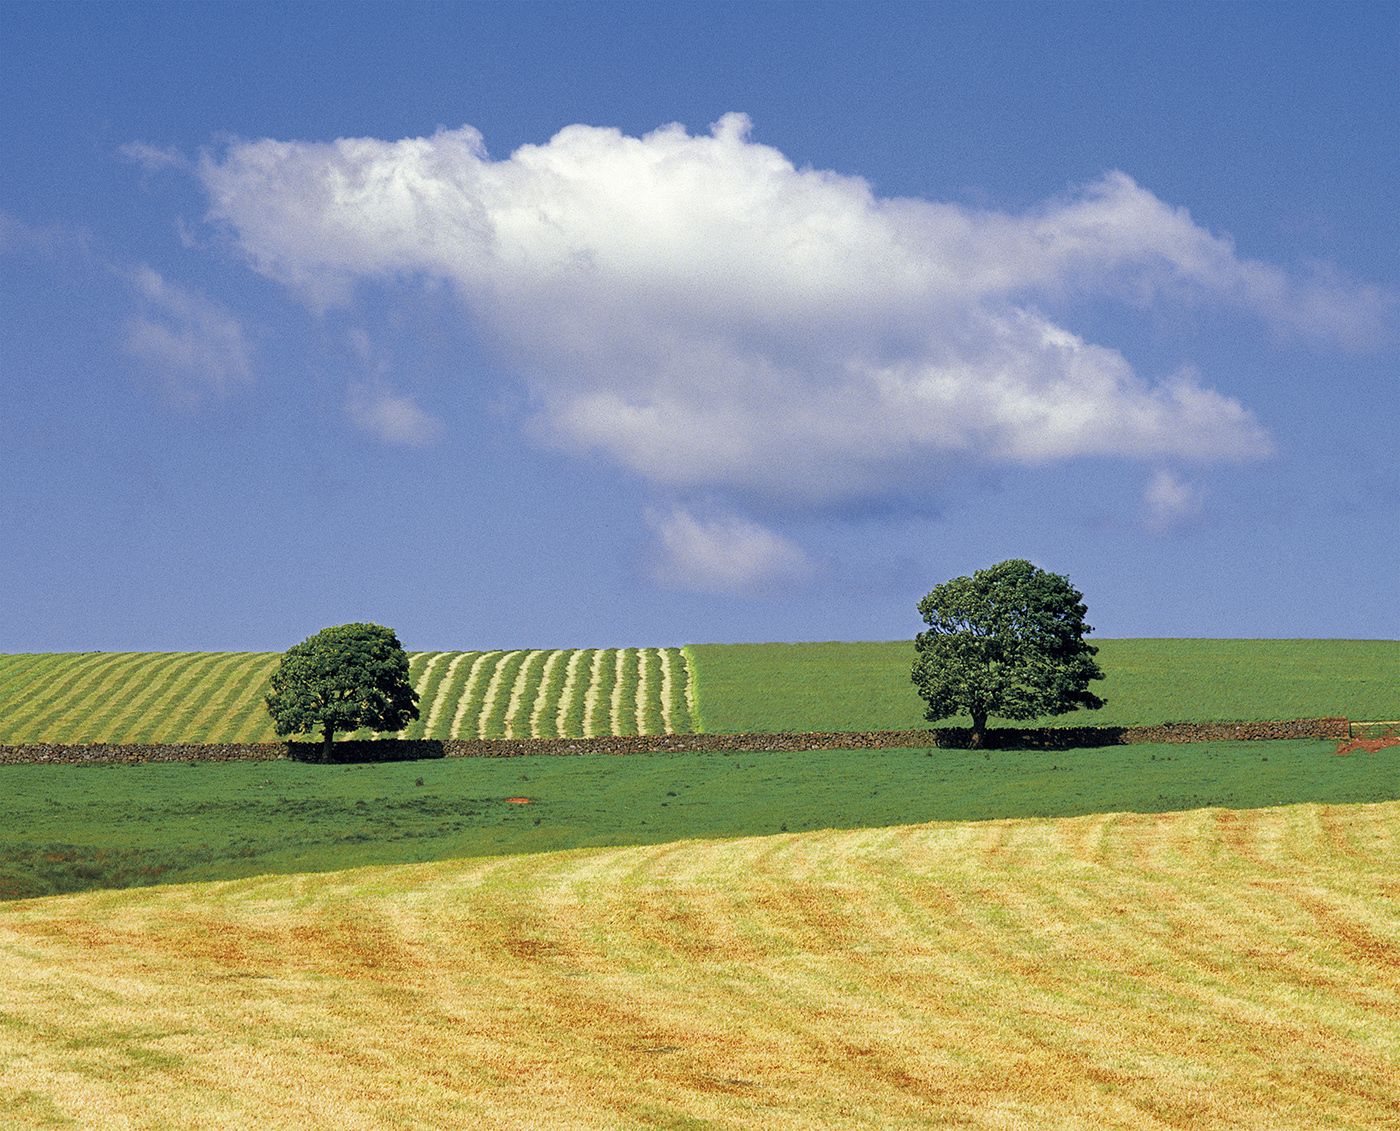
x=1007, y=641
x=343, y=678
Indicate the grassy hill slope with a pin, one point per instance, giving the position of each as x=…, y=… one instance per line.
x=71, y=828
x=741, y=688
x=217, y=696
x=747, y=688
x=1198, y=969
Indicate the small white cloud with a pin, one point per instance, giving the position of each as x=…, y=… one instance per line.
x=1170, y=501
x=391, y=417
x=154, y=158
x=722, y=553
x=195, y=345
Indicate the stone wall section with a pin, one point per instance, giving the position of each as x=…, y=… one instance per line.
x=393, y=750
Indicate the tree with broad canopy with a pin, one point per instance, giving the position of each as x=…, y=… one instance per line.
x=343, y=678
x=1007, y=641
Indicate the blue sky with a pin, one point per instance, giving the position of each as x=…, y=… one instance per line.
x=524, y=324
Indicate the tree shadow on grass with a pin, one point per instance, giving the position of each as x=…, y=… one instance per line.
x=355, y=751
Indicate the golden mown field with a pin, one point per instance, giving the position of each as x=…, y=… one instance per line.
x=1200, y=969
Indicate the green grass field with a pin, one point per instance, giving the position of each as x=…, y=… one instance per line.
x=217, y=696
x=772, y=688
x=721, y=688
x=68, y=828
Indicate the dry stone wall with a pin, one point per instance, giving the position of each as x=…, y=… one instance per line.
x=393, y=750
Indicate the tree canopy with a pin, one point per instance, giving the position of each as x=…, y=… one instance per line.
x=1007, y=641
x=341, y=679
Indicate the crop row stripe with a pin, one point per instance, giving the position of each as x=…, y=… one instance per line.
x=130, y=699
x=242, y=683
x=643, y=688
x=516, y=703
x=691, y=704
x=493, y=690
x=443, y=691
x=592, y=694
x=249, y=720
x=668, y=688
x=97, y=705
x=480, y=664
x=207, y=712
x=537, y=712
x=179, y=684
x=176, y=720
x=182, y=686
x=420, y=664
x=17, y=723
x=29, y=673
x=567, y=692
x=75, y=686
x=615, y=704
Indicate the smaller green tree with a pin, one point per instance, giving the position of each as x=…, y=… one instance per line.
x=1007, y=641
x=341, y=679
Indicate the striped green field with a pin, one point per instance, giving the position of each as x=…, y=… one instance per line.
x=718, y=688
x=217, y=696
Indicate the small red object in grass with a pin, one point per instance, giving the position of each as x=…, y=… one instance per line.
x=1370, y=745
x=517, y=801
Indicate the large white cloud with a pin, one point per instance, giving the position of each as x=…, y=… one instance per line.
x=713, y=317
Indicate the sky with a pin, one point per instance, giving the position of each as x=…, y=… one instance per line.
x=537, y=325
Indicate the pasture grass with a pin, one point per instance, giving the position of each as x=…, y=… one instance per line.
x=1203, y=969
x=71, y=828
x=774, y=688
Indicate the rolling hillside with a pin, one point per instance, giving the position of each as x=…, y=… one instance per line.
x=1203, y=969
x=217, y=696
x=738, y=688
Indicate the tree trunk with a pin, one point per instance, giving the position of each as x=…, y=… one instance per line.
x=979, y=730
x=326, y=746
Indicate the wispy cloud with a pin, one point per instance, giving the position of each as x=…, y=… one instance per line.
x=722, y=553
x=197, y=346
x=154, y=158
x=1169, y=501
x=391, y=417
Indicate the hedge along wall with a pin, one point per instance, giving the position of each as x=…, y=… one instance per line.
x=395, y=750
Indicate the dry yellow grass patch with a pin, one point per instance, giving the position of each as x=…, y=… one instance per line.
x=1186, y=970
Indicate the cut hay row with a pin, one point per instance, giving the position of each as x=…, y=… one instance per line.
x=135, y=697
x=149, y=697
x=1200, y=969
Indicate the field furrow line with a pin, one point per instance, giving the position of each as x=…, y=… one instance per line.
x=668, y=689
x=31, y=725
x=130, y=697
x=625, y=691
x=615, y=706
x=516, y=703
x=505, y=667
x=594, y=707
x=96, y=702
x=475, y=676
x=420, y=665
x=173, y=725
x=206, y=716
x=441, y=695
x=31, y=695
x=551, y=665
x=567, y=692
x=248, y=720
x=692, y=697
x=26, y=672
x=136, y=720
x=643, y=690
x=180, y=694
